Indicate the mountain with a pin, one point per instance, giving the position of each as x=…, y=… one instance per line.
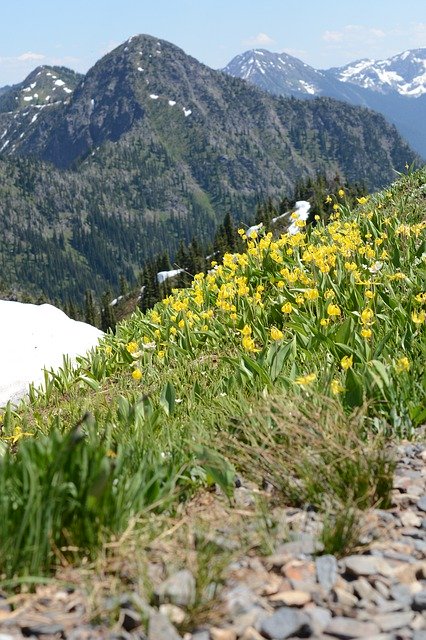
x=152, y=147
x=404, y=73
x=395, y=87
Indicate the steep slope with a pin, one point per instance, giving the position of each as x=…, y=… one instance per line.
x=161, y=147
x=395, y=87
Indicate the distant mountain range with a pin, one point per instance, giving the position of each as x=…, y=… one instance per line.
x=99, y=172
x=395, y=87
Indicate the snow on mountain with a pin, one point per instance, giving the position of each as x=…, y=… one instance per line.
x=395, y=87
x=34, y=337
x=275, y=72
x=404, y=73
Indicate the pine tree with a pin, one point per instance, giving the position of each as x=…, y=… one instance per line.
x=108, y=320
x=89, y=308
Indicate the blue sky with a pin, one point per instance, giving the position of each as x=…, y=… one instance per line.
x=323, y=33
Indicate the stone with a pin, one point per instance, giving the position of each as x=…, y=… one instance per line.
x=291, y=598
x=363, y=588
x=358, y=565
x=319, y=616
x=392, y=621
x=410, y=519
x=284, y=623
x=251, y=634
x=421, y=504
x=160, y=628
x=200, y=635
x=240, y=600
x=131, y=619
x=42, y=629
x=419, y=601
x=179, y=589
x=326, y=568
x=222, y=634
x=344, y=597
x=175, y=614
x=347, y=628
x=304, y=545
x=6, y=636
x=402, y=593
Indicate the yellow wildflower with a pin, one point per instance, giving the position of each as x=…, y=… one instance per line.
x=249, y=344
x=17, y=435
x=341, y=193
x=402, y=364
x=305, y=380
x=246, y=330
x=346, y=362
x=287, y=307
x=311, y=294
x=336, y=387
x=136, y=374
x=367, y=316
x=366, y=333
x=276, y=334
x=333, y=310
x=328, y=199
x=132, y=347
x=362, y=200
x=418, y=318
x=324, y=322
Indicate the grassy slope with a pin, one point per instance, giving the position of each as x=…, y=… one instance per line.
x=307, y=344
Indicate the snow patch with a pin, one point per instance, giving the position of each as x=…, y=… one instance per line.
x=172, y=103
x=153, y=96
x=162, y=276
x=187, y=112
x=59, y=83
x=34, y=337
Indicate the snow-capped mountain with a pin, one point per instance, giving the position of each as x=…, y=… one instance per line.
x=276, y=72
x=395, y=87
x=404, y=73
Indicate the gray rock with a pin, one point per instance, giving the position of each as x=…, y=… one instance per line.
x=347, y=628
x=419, y=601
x=419, y=635
x=326, y=567
x=421, y=504
x=401, y=593
x=200, y=635
x=363, y=589
x=6, y=636
x=320, y=618
x=304, y=545
x=42, y=629
x=240, y=600
x=160, y=628
x=358, y=565
x=392, y=621
x=284, y=623
x=179, y=589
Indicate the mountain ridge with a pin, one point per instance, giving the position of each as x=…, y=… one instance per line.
x=369, y=83
x=153, y=147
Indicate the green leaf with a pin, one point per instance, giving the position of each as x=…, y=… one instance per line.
x=219, y=471
x=167, y=398
x=354, y=395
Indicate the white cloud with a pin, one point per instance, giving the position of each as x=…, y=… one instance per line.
x=262, y=39
x=353, y=34
x=30, y=55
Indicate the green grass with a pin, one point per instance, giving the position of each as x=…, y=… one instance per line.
x=229, y=382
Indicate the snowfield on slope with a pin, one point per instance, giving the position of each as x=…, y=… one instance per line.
x=35, y=337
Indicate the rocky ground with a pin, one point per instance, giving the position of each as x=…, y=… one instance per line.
x=378, y=593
